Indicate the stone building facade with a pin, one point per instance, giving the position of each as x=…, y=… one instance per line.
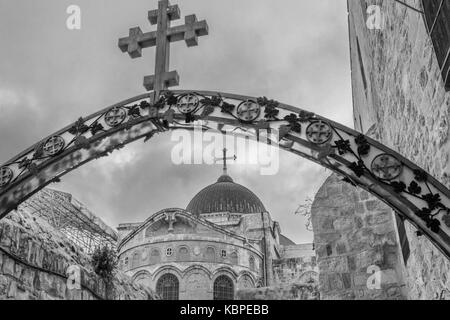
x=223, y=242
x=401, y=99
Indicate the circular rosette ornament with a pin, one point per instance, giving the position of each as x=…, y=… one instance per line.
x=54, y=145
x=386, y=167
x=319, y=132
x=6, y=175
x=188, y=103
x=248, y=111
x=115, y=116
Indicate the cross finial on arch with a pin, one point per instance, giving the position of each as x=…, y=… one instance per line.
x=162, y=79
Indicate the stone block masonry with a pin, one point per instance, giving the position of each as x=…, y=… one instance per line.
x=404, y=103
x=290, y=270
x=281, y=292
x=354, y=235
x=34, y=258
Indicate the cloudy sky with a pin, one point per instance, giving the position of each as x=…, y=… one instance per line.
x=294, y=51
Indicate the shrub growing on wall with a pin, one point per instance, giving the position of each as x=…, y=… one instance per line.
x=104, y=262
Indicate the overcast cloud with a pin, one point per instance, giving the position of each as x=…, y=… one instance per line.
x=294, y=51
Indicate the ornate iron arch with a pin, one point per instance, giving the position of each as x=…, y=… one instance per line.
x=363, y=162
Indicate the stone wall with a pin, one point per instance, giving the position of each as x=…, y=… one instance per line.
x=354, y=235
x=34, y=258
x=287, y=292
x=291, y=270
x=305, y=250
x=398, y=92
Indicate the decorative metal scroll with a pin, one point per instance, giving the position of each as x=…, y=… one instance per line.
x=362, y=162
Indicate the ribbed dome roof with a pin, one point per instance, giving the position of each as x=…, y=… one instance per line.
x=225, y=195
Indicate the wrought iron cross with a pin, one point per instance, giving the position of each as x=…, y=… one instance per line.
x=137, y=40
x=224, y=159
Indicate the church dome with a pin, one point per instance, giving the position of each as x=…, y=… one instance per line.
x=225, y=195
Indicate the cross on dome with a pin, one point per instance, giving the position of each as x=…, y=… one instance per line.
x=224, y=159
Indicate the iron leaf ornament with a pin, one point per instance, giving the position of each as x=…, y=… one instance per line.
x=144, y=105
x=271, y=113
x=420, y=175
x=363, y=145
x=170, y=97
x=96, y=128
x=414, y=188
x=294, y=122
x=226, y=107
x=271, y=110
x=358, y=168
x=25, y=163
x=79, y=127
x=212, y=102
x=433, y=200
x=134, y=111
x=343, y=146
x=39, y=150
x=305, y=116
x=399, y=186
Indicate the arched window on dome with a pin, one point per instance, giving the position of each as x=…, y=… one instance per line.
x=252, y=263
x=210, y=254
x=234, y=258
x=155, y=256
x=183, y=254
x=136, y=260
x=167, y=287
x=223, y=288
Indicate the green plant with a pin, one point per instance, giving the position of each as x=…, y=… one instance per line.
x=104, y=262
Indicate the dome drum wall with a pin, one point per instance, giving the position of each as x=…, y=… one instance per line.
x=225, y=196
x=189, y=252
x=190, y=245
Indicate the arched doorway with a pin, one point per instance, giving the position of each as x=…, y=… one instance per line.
x=168, y=287
x=223, y=288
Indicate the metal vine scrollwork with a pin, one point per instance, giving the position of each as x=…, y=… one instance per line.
x=6, y=175
x=115, y=116
x=386, y=167
x=54, y=145
x=188, y=103
x=248, y=111
x=360, y=160
x=319, y=132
